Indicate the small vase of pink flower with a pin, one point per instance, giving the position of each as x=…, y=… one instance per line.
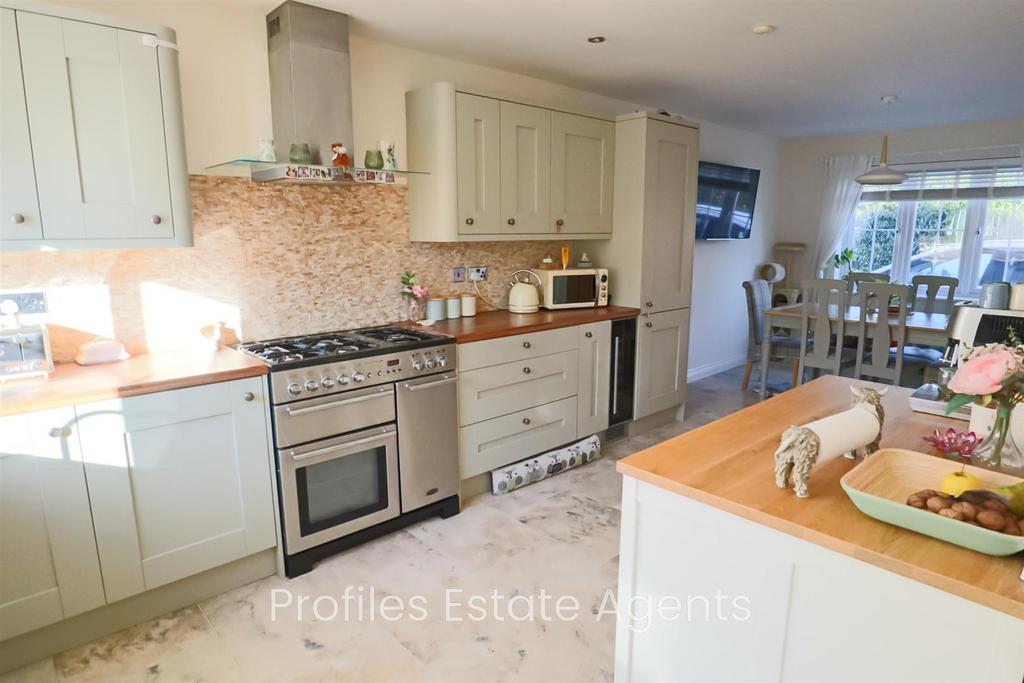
x=992, y=378
x=414, y=294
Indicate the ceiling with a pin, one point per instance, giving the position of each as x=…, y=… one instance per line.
x=823, y=70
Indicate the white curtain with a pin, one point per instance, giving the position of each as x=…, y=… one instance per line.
x=839, y=206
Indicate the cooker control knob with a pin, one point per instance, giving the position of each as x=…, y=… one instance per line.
x=342, y=380
x=417, y=365
x=327, y=382
x=441, y=361
x=294, y=389
x=357, y=377
x=311, y=385
x=430, y=363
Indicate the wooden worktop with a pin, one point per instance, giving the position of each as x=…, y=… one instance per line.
x=70, y=383
x=729, y=464
x=495, y=324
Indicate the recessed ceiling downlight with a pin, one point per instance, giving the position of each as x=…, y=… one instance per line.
x=763, y=29
x=596, y=39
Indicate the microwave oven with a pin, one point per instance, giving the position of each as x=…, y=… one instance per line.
x=575, y=288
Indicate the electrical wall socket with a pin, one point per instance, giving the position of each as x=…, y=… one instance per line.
x=459, y=274
x=477, y=273
x=28, y=302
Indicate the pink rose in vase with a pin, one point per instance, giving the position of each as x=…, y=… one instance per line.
x=985, y=373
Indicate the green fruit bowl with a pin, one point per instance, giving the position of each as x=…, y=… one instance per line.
x=879, y=487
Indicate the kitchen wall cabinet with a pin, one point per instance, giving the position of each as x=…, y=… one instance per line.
x=105, y=131
x=179, y=482
x=661, y=349
x=49, y=568
x=19, y=203
x=502, y=170
x=582, y=166
x=594, y=377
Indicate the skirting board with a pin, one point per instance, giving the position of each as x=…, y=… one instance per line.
x=84, y=628
x=708, y=369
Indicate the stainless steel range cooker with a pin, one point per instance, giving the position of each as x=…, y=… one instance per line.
x=365, y=433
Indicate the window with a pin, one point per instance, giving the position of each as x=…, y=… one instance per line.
x=963, y=223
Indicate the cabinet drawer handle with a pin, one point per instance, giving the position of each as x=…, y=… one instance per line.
x=526, y=371
x=526, y=345
x=248, y=396
x=59, y=432
x=469, y=221
x=156, y=219
x=511, y=221
x=17, y=218
x=588, y=335
x=649, y=304
x=526, y=420
x=648, y=324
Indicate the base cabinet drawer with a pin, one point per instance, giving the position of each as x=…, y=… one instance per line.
x=489, y=352
x=502, y=389
x=493, y=443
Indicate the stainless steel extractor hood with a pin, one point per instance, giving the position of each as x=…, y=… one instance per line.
x=310, y=80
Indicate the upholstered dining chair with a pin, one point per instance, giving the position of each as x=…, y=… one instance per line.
x=853, y=283
x=817, y=349
x=930, y=302
x=783, y=348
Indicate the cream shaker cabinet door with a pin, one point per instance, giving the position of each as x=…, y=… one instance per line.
x=97, y=122
x=662, y=345
x=19, y=204
x=179, y=482
x=478, y=164
x=669, y=216
x=582, y=165
x=49, y=569
x=525, y=169
x=595, y=360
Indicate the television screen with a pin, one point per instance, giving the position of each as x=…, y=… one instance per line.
x=725, y=201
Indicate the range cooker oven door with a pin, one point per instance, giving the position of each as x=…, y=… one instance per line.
x=335, y=487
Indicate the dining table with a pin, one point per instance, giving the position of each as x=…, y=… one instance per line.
x=923, y=329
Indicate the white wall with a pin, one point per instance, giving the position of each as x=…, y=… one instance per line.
x=718, y=316
x=226, y=94
x=801, y=165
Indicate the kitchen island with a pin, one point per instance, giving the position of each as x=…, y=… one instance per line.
x=729, y=577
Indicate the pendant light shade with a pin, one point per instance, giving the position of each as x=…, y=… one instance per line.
x=882, y=174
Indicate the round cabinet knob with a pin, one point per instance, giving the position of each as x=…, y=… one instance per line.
x=469, y=221
x=58, y=432
x=327, y=382
x=648, y=324
x=442, y=361
x=417, y=365
x=248, y=396
x=358, y=377
x=526, y=345
x=526, y=420
x=588, y=335
x=156, y=220
x=342, y=380
x=17, y=218
x=559, y=222
x=649, y=304
x=511, y=221
x=430, y=363
x=311, y=385
x=294, y=389
x=527, y=371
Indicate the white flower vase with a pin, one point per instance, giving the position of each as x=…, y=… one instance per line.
x=997, y=451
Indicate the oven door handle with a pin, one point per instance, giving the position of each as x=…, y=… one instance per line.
x=430, y=385
x=337, y=404
x=338, y=447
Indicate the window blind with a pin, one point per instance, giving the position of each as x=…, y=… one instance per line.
x=992, y=182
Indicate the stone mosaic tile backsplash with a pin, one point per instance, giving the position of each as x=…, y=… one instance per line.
x=269, y=259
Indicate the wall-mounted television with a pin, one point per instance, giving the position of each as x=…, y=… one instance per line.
x=725, y=201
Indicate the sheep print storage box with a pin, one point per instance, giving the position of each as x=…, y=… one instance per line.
x=880, y=485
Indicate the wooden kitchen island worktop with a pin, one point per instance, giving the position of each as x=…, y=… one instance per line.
x=495, y=324
x=806, y=589
x=71, y=384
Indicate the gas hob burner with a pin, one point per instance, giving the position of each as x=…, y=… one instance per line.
x=396, y=335
x=296, y=349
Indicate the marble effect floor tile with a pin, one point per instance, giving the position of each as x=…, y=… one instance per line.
x=559, y=536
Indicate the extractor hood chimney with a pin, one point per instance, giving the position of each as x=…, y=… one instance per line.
x=310, y=80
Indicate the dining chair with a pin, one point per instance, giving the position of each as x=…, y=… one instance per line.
x=853, y=283
x=815, y=335
x=884, y=359
x=782, y=347
x=933, y=284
